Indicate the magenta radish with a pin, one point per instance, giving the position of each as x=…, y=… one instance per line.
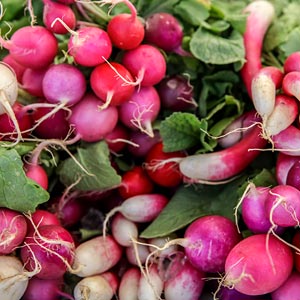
x=292, y=63
x=272, y=264
x=117, y=139
x=93, y=288
x=135, y=182
x=284, y=163
x=263, y=87
x=150, y=286
x=176, y=93
x=14, y=279
x=260, y=15
x=128, y=288
x=37, y=173
x=96, y=256
x=126, y=31
x=293, y=175
x=186, y=283
x=36, y=51
x=64, y=84
x=140, y=63
x=16, y=67
x=53, y=10
x=32, y=81
x=13, y=230
x=91, y=123
x=283, y=206
x=123, y=230
x=141, y=110
x=290, y=84
x=52, y=248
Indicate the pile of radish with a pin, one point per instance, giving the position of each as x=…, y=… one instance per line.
x=111, y=115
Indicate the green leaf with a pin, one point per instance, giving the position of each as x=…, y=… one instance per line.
x=215, y=49
x=94, y=158
x=292, y=43
x=180, y=131
x=17, y=191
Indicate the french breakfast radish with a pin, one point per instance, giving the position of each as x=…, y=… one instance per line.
x=290, y=84
x=128, y=289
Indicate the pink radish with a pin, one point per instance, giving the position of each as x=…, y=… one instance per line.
x=271, y=265
x=128, y=289
x=16, y=67
x=37, y=173
x=293, y=175
x=13, y=230
x=260, y=15
x=284, y=163
x=32, y=81
x=139, y=61
x=290, y=84
x=32, y=46
x=96, y=256
x=141, y=110
x=292, y=63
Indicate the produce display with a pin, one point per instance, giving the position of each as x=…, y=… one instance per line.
x=149, y=150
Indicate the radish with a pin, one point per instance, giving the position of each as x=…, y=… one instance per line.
x=117, y=139
x=128, y=289
x=141, y=110
x=284, y=163
x=290, y=84
x=159, y=242
x=36, y=51
x=52, y=11
x=13, y=230
x=126, y=31
x=260, y=15
x=16, y=67
x=14, y=279
x=91, y=123
x=52, y=248
x=289, y=289
x=135, y=182
x=293, y=175
x=292, y=62
x=271, y=265
x=112, y=83
x=296, y=244
x=32, y=81
x=137, y=253
x=96, y=256
x=139, y=61
x=37, y=173
x=93, y=288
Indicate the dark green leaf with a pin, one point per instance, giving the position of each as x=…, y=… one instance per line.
x=17, y=191
x=94, y=158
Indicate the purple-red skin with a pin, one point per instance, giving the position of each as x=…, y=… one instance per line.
x=38, y=174
x=64, y=83
x=293, y=175
x=13, y=230
x=265, y=261
x=209, y=239
x=147, y=63
x=32, y=81
x=284, y=163
x=91, y=122
x=116, y=139
x=292, y=62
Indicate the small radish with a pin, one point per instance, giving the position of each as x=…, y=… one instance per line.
x=293, y=175
x=146, y=63
x=141, y=110
x=128, y=289
x=96, y=256
x=290, y=84
x=292, y=62
x=117, y=139
x=32, y=46
x=137, y=253
x=13, y=230
x=272, y=264
x=296, y=244
x=32, y=81
x=284, y=163
x=37, y=173
x=16, y=67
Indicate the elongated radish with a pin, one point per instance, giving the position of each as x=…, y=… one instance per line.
x=13, y=230
x=260, y=15
x=96, y=256
x=223, y=164
x=292, y=62
x=272, y=264
x=128, y=289
x=263, y=87
x=32, y=46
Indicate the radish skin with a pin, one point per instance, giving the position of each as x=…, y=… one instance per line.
x=284, y=163
x=292, y=63
x=291, y=84
x=128, y=289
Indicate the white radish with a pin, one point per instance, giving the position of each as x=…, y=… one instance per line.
x=128, y=289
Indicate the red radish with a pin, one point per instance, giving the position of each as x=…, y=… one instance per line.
x=292, y=62
x=64, y=84
x=18, y=68
x=141, y=110
x=93, y=288
x=52, y=248
x=14, y=279
x=176, y=93
x=137, y=253
x=124, y=230
x=186, y=283
x=283, y=205
x=13, y=230
x=290, y=289
x=117, y=139
x=283, y=164
x=135, y=182
x=32, y=81
x=52, y=11
x=37, y=173
x=272, y=264
x=96, y=256
x=263, y=87
x=112, y=83
x=91, y=123
x=296, y=244
x=293, y=175
x=140, y=62
x=36, y=51
x=260, y=15
x=167, y=174
x=112, y=279
x=126, y=31
x=150, y=286
x=290, y=84
x=128, y=289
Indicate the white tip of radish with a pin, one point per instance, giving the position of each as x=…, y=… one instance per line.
x=263, y=10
